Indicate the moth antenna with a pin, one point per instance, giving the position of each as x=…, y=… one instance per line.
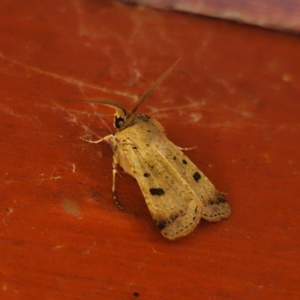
x=153, y=87
x=119, y=107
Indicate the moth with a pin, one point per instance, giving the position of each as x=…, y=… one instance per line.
x=176, y=192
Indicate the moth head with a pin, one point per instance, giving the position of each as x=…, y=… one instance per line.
x=119, y=121
x=120, y=114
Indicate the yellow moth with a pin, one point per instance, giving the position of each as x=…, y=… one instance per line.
x=177, y=193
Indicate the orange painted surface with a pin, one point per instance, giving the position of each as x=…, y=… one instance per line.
x=234, y=95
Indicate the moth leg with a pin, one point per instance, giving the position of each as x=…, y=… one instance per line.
x=114, y=172
x=106, y=138
x=187, y=149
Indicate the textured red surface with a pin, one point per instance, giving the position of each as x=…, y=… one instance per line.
x=234, y=95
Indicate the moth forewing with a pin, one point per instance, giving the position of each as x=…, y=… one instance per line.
x=173, y=204
x=215, y=206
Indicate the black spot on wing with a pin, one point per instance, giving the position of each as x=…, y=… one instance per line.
x=196, y=176
x=174, y=217
x=157, y=191
x=162, y=224
x=211, y=202
x=184, y=161
x=146, y=175
x=218, y=208
x=221, y=199
x=177, y=215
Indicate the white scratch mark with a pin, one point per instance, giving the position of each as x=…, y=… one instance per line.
x=194, y=118
x=137, y=74
x=243, y=113
x=70, y=80
x=58, y=247
x=99, y=153
x=73, y=168
x=154, y=250
x=11, y=112
x=72, y=117
x=55, y=177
